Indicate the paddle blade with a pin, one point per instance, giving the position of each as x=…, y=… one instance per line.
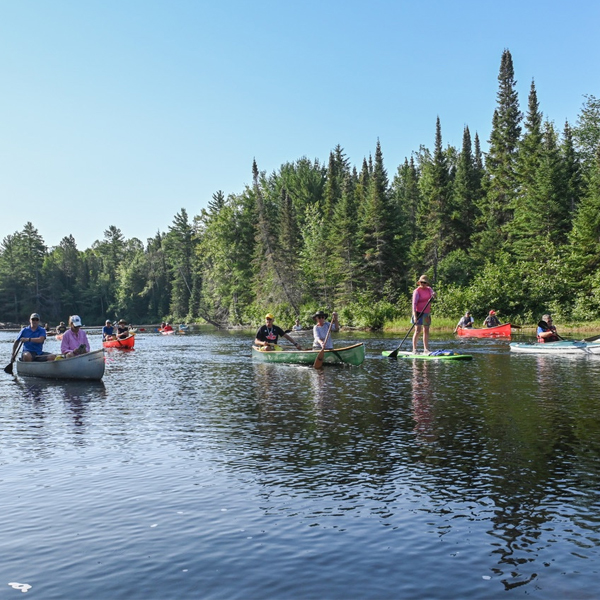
x=9, y=369
x=319, y=360
x=393, y=353
x=592, y=339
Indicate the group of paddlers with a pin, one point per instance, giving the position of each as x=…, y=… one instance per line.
x=269, y=333
x=546, y=331
x=467, y=321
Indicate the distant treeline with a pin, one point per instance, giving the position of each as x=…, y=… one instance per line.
x=516, y=229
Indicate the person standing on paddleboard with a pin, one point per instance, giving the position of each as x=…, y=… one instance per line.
x=421, y=304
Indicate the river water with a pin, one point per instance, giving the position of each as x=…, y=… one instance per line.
x=192, y=472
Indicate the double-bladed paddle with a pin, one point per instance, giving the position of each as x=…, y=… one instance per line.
x=543, y=325
x=592, y=339
x=394, y=353
x=319, y=360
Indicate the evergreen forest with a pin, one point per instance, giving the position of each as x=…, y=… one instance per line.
x=516, y=229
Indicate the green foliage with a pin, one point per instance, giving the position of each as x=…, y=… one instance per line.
x=520, y=234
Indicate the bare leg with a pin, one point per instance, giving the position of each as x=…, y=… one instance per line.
x=416, y=337
x=426, y=339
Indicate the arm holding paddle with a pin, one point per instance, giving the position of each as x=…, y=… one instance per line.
x=318, y=364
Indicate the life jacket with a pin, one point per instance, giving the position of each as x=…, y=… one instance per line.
x=545, y=340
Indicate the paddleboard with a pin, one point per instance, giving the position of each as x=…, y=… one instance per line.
x=449, y=356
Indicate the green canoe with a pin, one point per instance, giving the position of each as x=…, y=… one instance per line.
x=449, y=356
x=352, y=355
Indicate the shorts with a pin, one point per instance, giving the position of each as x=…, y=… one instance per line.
x=43, y=357
x=424, y=320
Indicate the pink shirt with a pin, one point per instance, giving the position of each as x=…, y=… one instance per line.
x=72, y=341
x=420, y=298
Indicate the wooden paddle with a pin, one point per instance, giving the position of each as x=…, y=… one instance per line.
x=394, y=353
x=9, y=367
x=319, y=360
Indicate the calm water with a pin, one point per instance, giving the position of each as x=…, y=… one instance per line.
x=192, y=472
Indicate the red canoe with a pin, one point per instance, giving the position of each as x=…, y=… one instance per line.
x=127, y=342
x=499, y=331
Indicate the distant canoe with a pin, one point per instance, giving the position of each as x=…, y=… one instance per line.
x=85, y=366
x=498, y=331
x=169, y=332
x=127, y=342
x=558, y=348
x=351, y=355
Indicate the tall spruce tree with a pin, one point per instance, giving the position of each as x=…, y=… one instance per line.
x=465, y=194
x=434, y=215
x=376, y=229
x=500, y=183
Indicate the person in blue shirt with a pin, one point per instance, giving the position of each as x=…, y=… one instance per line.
x=108, y=331
x=33, y=338
x=546, y=332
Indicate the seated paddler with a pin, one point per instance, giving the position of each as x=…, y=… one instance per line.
x=268, y=334
x=546, y=332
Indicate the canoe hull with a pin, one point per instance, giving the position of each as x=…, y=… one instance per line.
x=499, y=331
x=557, y=348
x=351, y=355
x=411, y=356
x=85, y=366
x=126, y=343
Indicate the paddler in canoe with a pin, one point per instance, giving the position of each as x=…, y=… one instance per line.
x=491, y=320
x=321, y=328
x=122, y=329
x=108, y=331
x=465, y=322
x=268, y=334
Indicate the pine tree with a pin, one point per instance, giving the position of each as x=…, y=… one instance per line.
x=465, y=194
x=434, y=215
x=572, y=166
x=376, y=230
x=501, y=179
x=585, y=235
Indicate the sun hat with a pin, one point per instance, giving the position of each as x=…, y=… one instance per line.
x=122, y=321
x=424, y=279
x=76, y=321
x=320, y=313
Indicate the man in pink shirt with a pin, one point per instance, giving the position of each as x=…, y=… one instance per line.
x=74, y=340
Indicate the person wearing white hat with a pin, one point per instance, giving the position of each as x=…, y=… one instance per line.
x=75, y=340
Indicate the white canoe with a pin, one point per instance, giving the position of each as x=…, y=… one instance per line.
x=559, y=348
x=84, y=366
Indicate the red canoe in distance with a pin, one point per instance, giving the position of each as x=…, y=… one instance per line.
x=127, y=342
x=499, y=331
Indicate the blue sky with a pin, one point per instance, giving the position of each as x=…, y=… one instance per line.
x=123, y=112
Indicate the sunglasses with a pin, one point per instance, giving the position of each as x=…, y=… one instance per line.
x=34, y=319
